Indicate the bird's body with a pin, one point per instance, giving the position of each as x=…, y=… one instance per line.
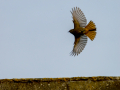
x=81, y=31
x=78, y=31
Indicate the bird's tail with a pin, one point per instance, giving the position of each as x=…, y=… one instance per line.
x=90, y=30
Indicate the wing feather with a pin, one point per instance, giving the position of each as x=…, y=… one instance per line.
x=79, y=46
x=78, y=17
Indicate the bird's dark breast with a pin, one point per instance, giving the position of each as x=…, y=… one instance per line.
x=76, y=34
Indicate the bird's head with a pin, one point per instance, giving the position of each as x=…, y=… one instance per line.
x=71, y=31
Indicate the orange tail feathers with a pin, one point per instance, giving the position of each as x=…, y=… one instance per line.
x=90, y=30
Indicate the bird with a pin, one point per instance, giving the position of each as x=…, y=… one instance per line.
x=81, y=31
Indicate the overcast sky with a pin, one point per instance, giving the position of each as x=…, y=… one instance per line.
x=35, y=43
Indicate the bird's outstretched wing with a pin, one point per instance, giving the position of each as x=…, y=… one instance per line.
x=78, y=18
x=79, y=45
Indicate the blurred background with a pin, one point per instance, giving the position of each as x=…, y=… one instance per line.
x=35, y=43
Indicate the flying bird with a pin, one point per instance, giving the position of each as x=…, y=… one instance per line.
x=81, y=31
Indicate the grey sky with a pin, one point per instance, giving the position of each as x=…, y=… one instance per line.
x=35, y=43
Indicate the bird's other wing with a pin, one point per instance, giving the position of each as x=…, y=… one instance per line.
x=79, y=18
x=79, y=45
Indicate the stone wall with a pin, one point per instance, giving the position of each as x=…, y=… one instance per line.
x=74, y=83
